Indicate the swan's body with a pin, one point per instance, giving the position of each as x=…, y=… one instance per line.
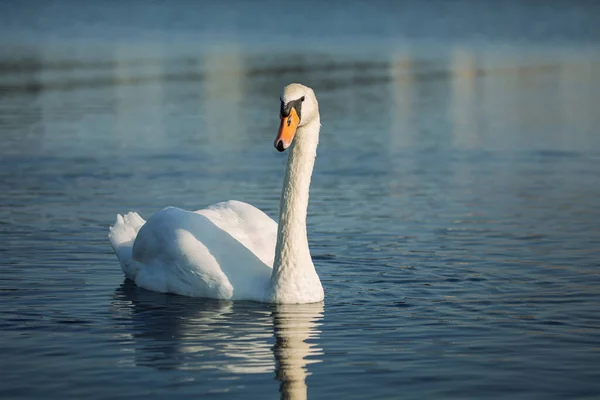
x=232, y=250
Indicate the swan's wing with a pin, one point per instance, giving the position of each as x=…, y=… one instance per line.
x=217, y=252
x=173, y=255
x=248, y=225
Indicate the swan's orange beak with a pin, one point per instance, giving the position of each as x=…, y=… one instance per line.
x=287, y=130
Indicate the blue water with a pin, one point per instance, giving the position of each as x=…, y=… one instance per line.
x=454, y=206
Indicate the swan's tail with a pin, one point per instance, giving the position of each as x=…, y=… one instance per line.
x=122, y=235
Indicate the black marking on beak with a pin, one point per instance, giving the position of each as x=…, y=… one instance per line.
x=287, y=108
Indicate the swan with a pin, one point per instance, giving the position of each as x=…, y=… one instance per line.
x=232, y=250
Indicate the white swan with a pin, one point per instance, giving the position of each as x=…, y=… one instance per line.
x=232, y=250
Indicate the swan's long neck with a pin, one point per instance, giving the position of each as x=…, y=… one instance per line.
x=294, y=274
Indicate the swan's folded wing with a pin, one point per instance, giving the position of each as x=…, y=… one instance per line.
x=174, y=258
x=248, y=225
x=210, y=253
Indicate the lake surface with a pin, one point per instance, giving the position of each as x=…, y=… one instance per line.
x=454, y=213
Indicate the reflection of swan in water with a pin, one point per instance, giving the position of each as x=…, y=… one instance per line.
x=176, y=332
x=185, y=333
x=293, y=325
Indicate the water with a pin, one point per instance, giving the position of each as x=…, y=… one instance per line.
x=454, y=206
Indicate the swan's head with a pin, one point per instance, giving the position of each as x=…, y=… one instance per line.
x=298, y=108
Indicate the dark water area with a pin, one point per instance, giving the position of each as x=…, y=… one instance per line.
x=454, y=206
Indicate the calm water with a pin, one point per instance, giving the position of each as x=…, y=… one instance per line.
x=454, y=207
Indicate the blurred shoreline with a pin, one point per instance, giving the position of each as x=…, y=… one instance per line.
x=331, y=25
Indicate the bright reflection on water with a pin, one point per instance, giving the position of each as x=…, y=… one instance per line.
x=186, y=334
x=453, y=217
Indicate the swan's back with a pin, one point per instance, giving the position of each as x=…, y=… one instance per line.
x=224, y=251
x=248, y=225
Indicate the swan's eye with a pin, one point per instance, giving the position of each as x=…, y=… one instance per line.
x=302, y=98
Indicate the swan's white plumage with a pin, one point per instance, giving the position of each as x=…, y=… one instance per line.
x=224, y=251
x=232, y=250
x=122, y=236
